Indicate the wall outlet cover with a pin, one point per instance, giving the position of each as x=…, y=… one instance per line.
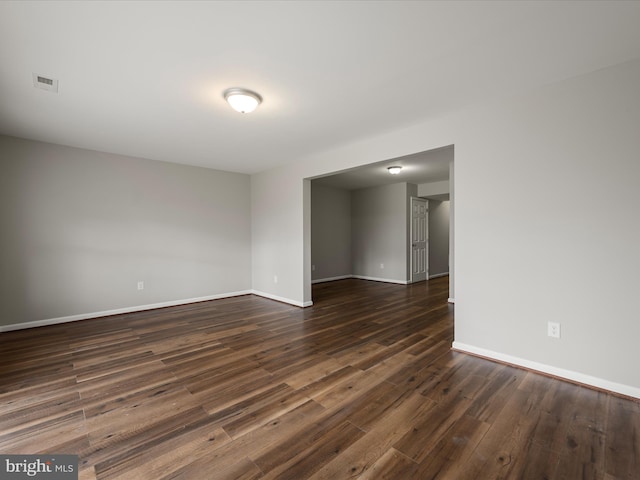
x=553, y=329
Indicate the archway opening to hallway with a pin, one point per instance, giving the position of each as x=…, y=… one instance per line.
x=358, y=221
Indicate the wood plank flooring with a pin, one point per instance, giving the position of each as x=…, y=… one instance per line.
x=361, y=385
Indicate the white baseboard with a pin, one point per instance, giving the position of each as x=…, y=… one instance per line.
x=118, y=311
x=570, y=375
x=451, y=300
x=438, y=275
x=281, y=299
x=140, y=308
x=361, y=277
x=331, y=279
x=377, y=279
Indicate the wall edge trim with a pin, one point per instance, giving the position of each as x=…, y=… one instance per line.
x=117, y=311
x=281, y=299
x=331, y=279
x=569, y=375
x=378, y=279
x=438, y=275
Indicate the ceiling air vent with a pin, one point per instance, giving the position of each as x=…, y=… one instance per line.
x=45, y=83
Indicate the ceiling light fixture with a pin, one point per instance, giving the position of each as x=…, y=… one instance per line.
x=242, y=100
x=395, y=170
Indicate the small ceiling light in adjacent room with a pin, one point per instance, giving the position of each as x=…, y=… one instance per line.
x=394, y=170
x=241, y=100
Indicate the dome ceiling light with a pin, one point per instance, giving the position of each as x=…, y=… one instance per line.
x=242, y=100
x=395, y=170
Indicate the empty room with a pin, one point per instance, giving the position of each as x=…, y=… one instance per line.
x=319, y=240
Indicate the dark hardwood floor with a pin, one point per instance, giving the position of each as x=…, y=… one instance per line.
x=361, y=385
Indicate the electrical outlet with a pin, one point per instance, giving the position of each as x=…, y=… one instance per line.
x=275, y=279
x=553, y=329
x=140, y=285
x=382, y=266
x=313, y=268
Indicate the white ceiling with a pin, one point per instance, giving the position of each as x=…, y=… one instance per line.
x=146, y=78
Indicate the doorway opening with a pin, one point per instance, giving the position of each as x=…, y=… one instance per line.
x=360, y=223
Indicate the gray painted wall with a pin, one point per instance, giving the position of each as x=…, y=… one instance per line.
x=438, y=237
x=379, y=232
x=80, y=228
x=348, y=237
x=330, y=232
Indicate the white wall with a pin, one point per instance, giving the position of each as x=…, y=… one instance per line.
x=560, y=234
x=559, y=169
x=80, y=228
x=330, y=232
x=433, y=188
x=278, y=202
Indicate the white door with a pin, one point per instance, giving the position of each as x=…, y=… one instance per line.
x=419, y=239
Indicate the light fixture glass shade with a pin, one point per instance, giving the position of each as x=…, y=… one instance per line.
x=394, y=170
x=241, y=100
